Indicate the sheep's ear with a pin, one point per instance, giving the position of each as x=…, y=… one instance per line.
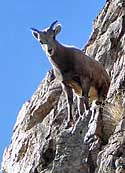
x=57, y=29
x=35, y=33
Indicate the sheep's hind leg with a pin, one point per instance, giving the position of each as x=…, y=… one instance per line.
x=80, y=105
x=101, y=98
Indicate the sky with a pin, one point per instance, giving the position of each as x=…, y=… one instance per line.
x=23, y=63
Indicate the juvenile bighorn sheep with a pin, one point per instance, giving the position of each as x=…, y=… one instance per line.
x=76, y=71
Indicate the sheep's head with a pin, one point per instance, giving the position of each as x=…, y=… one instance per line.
x=47, y=36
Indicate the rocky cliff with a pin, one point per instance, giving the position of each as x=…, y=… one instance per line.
x=40, y=142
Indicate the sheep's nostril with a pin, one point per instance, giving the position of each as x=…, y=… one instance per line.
x=41, y=42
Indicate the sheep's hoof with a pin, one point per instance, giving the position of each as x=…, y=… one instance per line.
x=70, y=124
x=98, y=102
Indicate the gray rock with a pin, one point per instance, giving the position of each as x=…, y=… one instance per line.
x=40, y=141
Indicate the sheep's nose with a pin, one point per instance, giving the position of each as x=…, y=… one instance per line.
x=50, y=50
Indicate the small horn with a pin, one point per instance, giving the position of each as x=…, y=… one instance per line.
x=52, y=25
x=35, y=30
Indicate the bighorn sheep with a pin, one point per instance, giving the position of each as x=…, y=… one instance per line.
x=76, y=71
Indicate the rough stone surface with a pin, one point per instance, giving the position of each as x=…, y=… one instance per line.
x=40, y=141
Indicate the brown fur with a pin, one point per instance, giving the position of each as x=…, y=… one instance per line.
x=77, y=72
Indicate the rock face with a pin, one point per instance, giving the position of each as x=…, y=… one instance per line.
x=40, y=141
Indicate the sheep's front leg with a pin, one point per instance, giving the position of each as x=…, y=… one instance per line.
x=85, y=91
x=69, y=95
x=80, y=105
